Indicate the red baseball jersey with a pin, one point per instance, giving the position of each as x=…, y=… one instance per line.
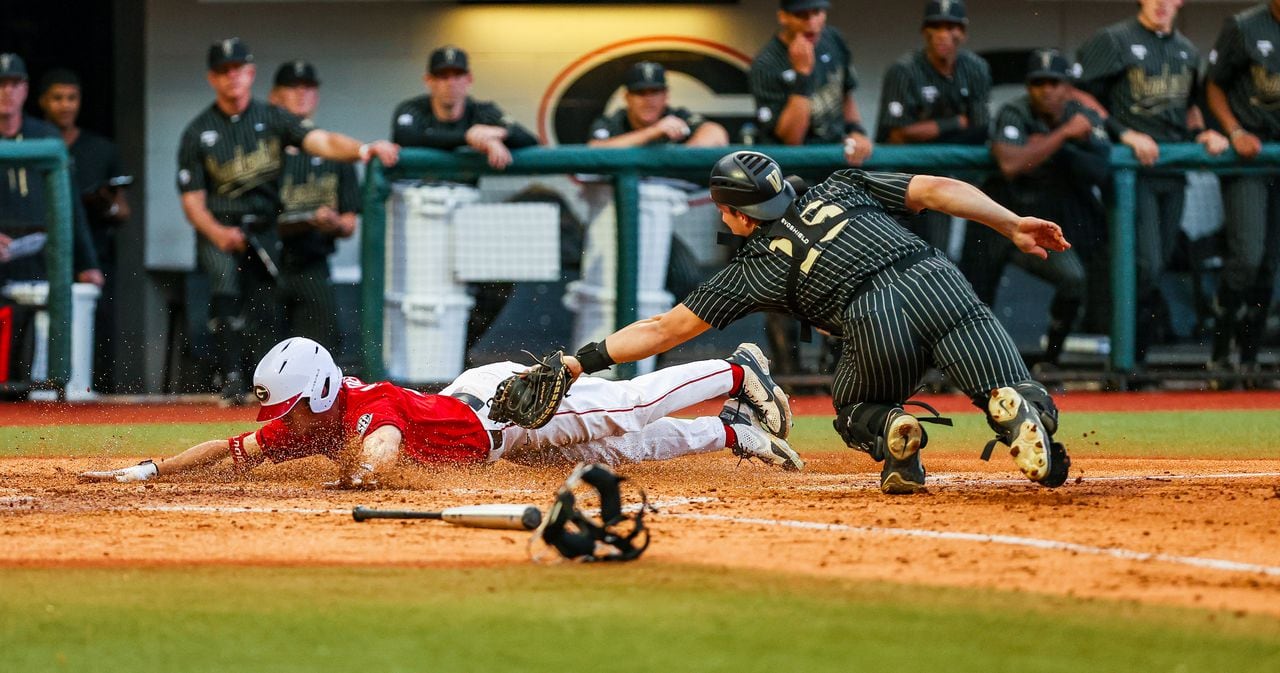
x=435, y=428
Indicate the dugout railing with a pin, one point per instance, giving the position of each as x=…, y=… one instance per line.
x=49, y=157
x=627, y=166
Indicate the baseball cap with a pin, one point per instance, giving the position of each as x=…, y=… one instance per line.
x=12, y=67
x=946, y=11
x=793, y=6
x=1048, y=64
x=230, y=50
x=646, y=76
x=295, y=73
x=447, y=58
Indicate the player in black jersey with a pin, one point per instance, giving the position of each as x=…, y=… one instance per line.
x=838, y=259
x=937, y=94
x=229, y=164
x=22, y=202
x=1146, y=74
x=321, y=199
x=647, y=119
x=1054, y=159
x=1244, y=94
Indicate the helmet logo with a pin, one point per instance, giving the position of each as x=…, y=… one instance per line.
x=260, y=391
x=775, y=180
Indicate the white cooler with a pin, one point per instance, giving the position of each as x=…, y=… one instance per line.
x=424, y=337
x=84, y=301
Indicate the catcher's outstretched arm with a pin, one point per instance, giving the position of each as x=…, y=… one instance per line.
x=649, y=336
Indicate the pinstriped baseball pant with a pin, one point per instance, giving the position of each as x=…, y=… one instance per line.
x=910, y=320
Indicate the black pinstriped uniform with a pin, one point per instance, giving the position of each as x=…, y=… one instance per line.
x=237, y=160
x=914, y=91
x=22, y=211
x=616, y=124
x=1146, y=80
x=306, y=290
x=1245, y=63
x=773, y=80
x=896, y=317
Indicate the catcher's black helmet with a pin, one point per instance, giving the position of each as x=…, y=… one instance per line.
x=751, y=183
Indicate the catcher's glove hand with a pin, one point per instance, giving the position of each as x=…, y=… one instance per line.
x=530, y=399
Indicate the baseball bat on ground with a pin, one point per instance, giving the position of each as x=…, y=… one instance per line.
x=506, y=517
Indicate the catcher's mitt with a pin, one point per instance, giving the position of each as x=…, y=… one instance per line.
x=530, y=399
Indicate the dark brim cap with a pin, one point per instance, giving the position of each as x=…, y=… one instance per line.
x=296, y=73
x=1048, y=64
x=228, y=51
x=646, y=76
x=12, y=67
x=447, y=58
x=793, y=6
x=946, y=11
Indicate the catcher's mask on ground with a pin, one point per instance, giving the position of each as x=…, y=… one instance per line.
x=580, y=537
x=751, y=183
x=295, y=368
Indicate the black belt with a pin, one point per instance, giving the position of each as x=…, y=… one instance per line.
x=476, y=405
x=900, y=266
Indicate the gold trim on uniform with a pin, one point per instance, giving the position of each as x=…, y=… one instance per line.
x=242, y=171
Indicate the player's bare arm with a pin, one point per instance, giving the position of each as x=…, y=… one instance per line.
x=199, y=456
x=1032, y=235
x=1214, y=143
x=793, y=120
x=338, y=147
x=226, y=238
x=710, y=134
x=1246, y=144
x=649, y=336
x=330, y=221
x=923, y=131
x=1014, y=160
x=857, y=146
x=363, y=460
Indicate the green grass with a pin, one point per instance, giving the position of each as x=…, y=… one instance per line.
x=1174, y=434
x=111, y=440
x=637, y=617
x=1177, y=434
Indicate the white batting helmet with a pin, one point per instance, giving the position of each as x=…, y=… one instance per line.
x=295, y=368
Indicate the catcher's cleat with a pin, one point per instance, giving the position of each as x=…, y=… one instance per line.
x=902, y=477
x=759, y=390
x=754, y=441
x=1023, y=431
x=903, y=435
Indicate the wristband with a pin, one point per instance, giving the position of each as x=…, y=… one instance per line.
x=803, y=85
x=593, y=357
x=1115, y=128
x=1239, y=130
x=364, y=152
x=948, y=125
x=854, y=127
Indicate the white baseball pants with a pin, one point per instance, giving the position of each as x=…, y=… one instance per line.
x=614, y=422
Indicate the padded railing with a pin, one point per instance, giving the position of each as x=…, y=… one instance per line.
x=627, y=166
x=49, y=157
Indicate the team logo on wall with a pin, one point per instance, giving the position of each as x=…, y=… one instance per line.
x=704, y=76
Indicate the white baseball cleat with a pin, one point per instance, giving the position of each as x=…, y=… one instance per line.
x=1023, y=432
x=903, y=435
x=755, y=441
x=766, y=398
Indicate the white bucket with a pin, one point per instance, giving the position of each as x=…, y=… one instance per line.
x=84, y=302
x=424, y=337
x=595, y=308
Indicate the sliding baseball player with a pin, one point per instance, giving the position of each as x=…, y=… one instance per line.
x=309, y=408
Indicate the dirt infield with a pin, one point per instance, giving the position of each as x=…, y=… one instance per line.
x=1187, y=532
x=106, y=413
